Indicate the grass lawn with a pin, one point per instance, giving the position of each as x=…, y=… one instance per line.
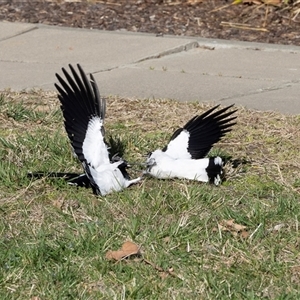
x=54, y=237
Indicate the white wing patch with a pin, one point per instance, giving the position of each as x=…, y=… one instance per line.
x=178, y=148
x=93, y=147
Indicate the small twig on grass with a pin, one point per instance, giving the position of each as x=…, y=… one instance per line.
x=159, y=269
x=256, y=229
x=220, y=8
x=243, y=26
x=296, y=12
x=280, y=174
x=104, y=2
x=266, y=16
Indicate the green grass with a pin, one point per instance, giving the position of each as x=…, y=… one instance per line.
x=54, y=237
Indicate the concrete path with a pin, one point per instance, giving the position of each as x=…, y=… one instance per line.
x=259, y=76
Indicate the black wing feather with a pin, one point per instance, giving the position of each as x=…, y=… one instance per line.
x=80, y=101
x=205, y=130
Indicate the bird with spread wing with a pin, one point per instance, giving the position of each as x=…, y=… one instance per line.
x=84, y=112
x=184, y=156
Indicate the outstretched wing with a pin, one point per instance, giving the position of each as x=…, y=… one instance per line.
x=84, y=111
x=199, y=134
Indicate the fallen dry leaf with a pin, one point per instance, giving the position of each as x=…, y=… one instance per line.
x=232, y=227
x=167, y=239
x=244, y=234
x=130, y=248
x=127, y=249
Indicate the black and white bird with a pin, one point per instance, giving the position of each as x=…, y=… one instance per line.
x=184, y=156
x=84, y=112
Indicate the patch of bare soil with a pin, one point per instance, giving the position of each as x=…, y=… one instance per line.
x=251, y=20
